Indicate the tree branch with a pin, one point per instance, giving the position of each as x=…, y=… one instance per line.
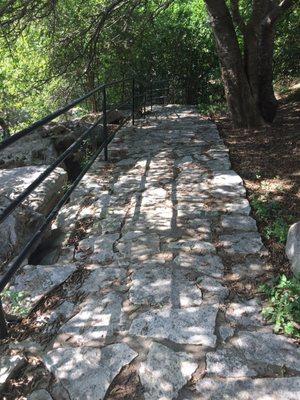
x=236, y=15
x=278, y=11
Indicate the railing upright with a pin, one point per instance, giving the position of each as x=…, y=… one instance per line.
x=3, y=325
x=105, y=133
x=151, y=96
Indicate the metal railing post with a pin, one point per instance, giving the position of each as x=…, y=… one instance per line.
x=151, y=96
x=105, y=135
x=133, y=101
x=3, y=326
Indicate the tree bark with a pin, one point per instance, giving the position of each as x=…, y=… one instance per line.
x=267, y=101
x=240, y=99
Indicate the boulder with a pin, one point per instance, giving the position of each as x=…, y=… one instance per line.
x=30, y=150
x=15, y=181
x=16, y=230
x=115, y=117
x=293, y=248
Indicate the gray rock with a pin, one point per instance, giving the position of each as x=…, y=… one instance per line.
x=226, y=332
x=40, y=394
x=191, y=246
x=228, y=363
x=98, y=248
x=156, y=285
x=293, y=248
x=213, y=289
x=268, y=348
x=165, y=372
x=245, y=314
x=226, y=179
x=17, y=229
x=15, y=181
x=153, y=195
x=193, y=325
x=238, y=223
x=234, y=205
x=101, y=277
x=242, y=243
x=86, y=373
x=97, y=319
x=35, y=281
x=9, y=366
x=249, y=389
x=208, y=264
x=249, y=269
x=143, y=245
x=34, y=150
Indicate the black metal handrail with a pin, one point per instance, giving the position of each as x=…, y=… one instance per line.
x=145, y=93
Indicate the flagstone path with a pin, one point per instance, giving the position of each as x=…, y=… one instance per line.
x=167, y=223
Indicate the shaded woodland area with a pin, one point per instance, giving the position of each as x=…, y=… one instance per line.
x=149, y=229
x=55, y=50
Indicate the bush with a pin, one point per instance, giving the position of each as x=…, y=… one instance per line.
x=277, y=230
x=283, y=305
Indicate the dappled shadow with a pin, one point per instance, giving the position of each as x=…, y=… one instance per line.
x=160, y=206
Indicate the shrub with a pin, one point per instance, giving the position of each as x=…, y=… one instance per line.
x=283, y=307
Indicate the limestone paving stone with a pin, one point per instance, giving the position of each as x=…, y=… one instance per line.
x=193, y=325
x=226, y=332
x=250, y=268
x=226, y=178
x=233, y=205
x=40, y=394
x=9, y=366
x=191, y=246
x=165, y=372
x=238, y=223
x=146, y=244
x=214, y=290
x=242, y=243
x=86, y=373
x=157, y=285
x=208, y=264
x=248, y=389
x=102, y=277
x=35, y=281
x=245, y=314
x=268, y=348
x=228, y=363
x=97, y=319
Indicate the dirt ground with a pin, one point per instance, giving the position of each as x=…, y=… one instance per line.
x=268, y=160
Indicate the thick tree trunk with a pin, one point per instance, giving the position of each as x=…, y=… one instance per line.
x=251, y=60
x=240, y=100
x=267, y=101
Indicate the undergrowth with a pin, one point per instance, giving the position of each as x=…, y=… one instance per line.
x=283, y=307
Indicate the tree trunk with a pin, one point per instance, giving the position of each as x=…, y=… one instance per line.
x=267, y=101
x=251, y=60
x=240, y=100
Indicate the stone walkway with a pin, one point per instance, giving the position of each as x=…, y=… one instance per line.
x=165, y=225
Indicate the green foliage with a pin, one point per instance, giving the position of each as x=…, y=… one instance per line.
x=271, y=213
x=265, y=209
x=207, y=108
x=55, y=59
x=14, y=301
x=283, y=305
x=277, y=230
